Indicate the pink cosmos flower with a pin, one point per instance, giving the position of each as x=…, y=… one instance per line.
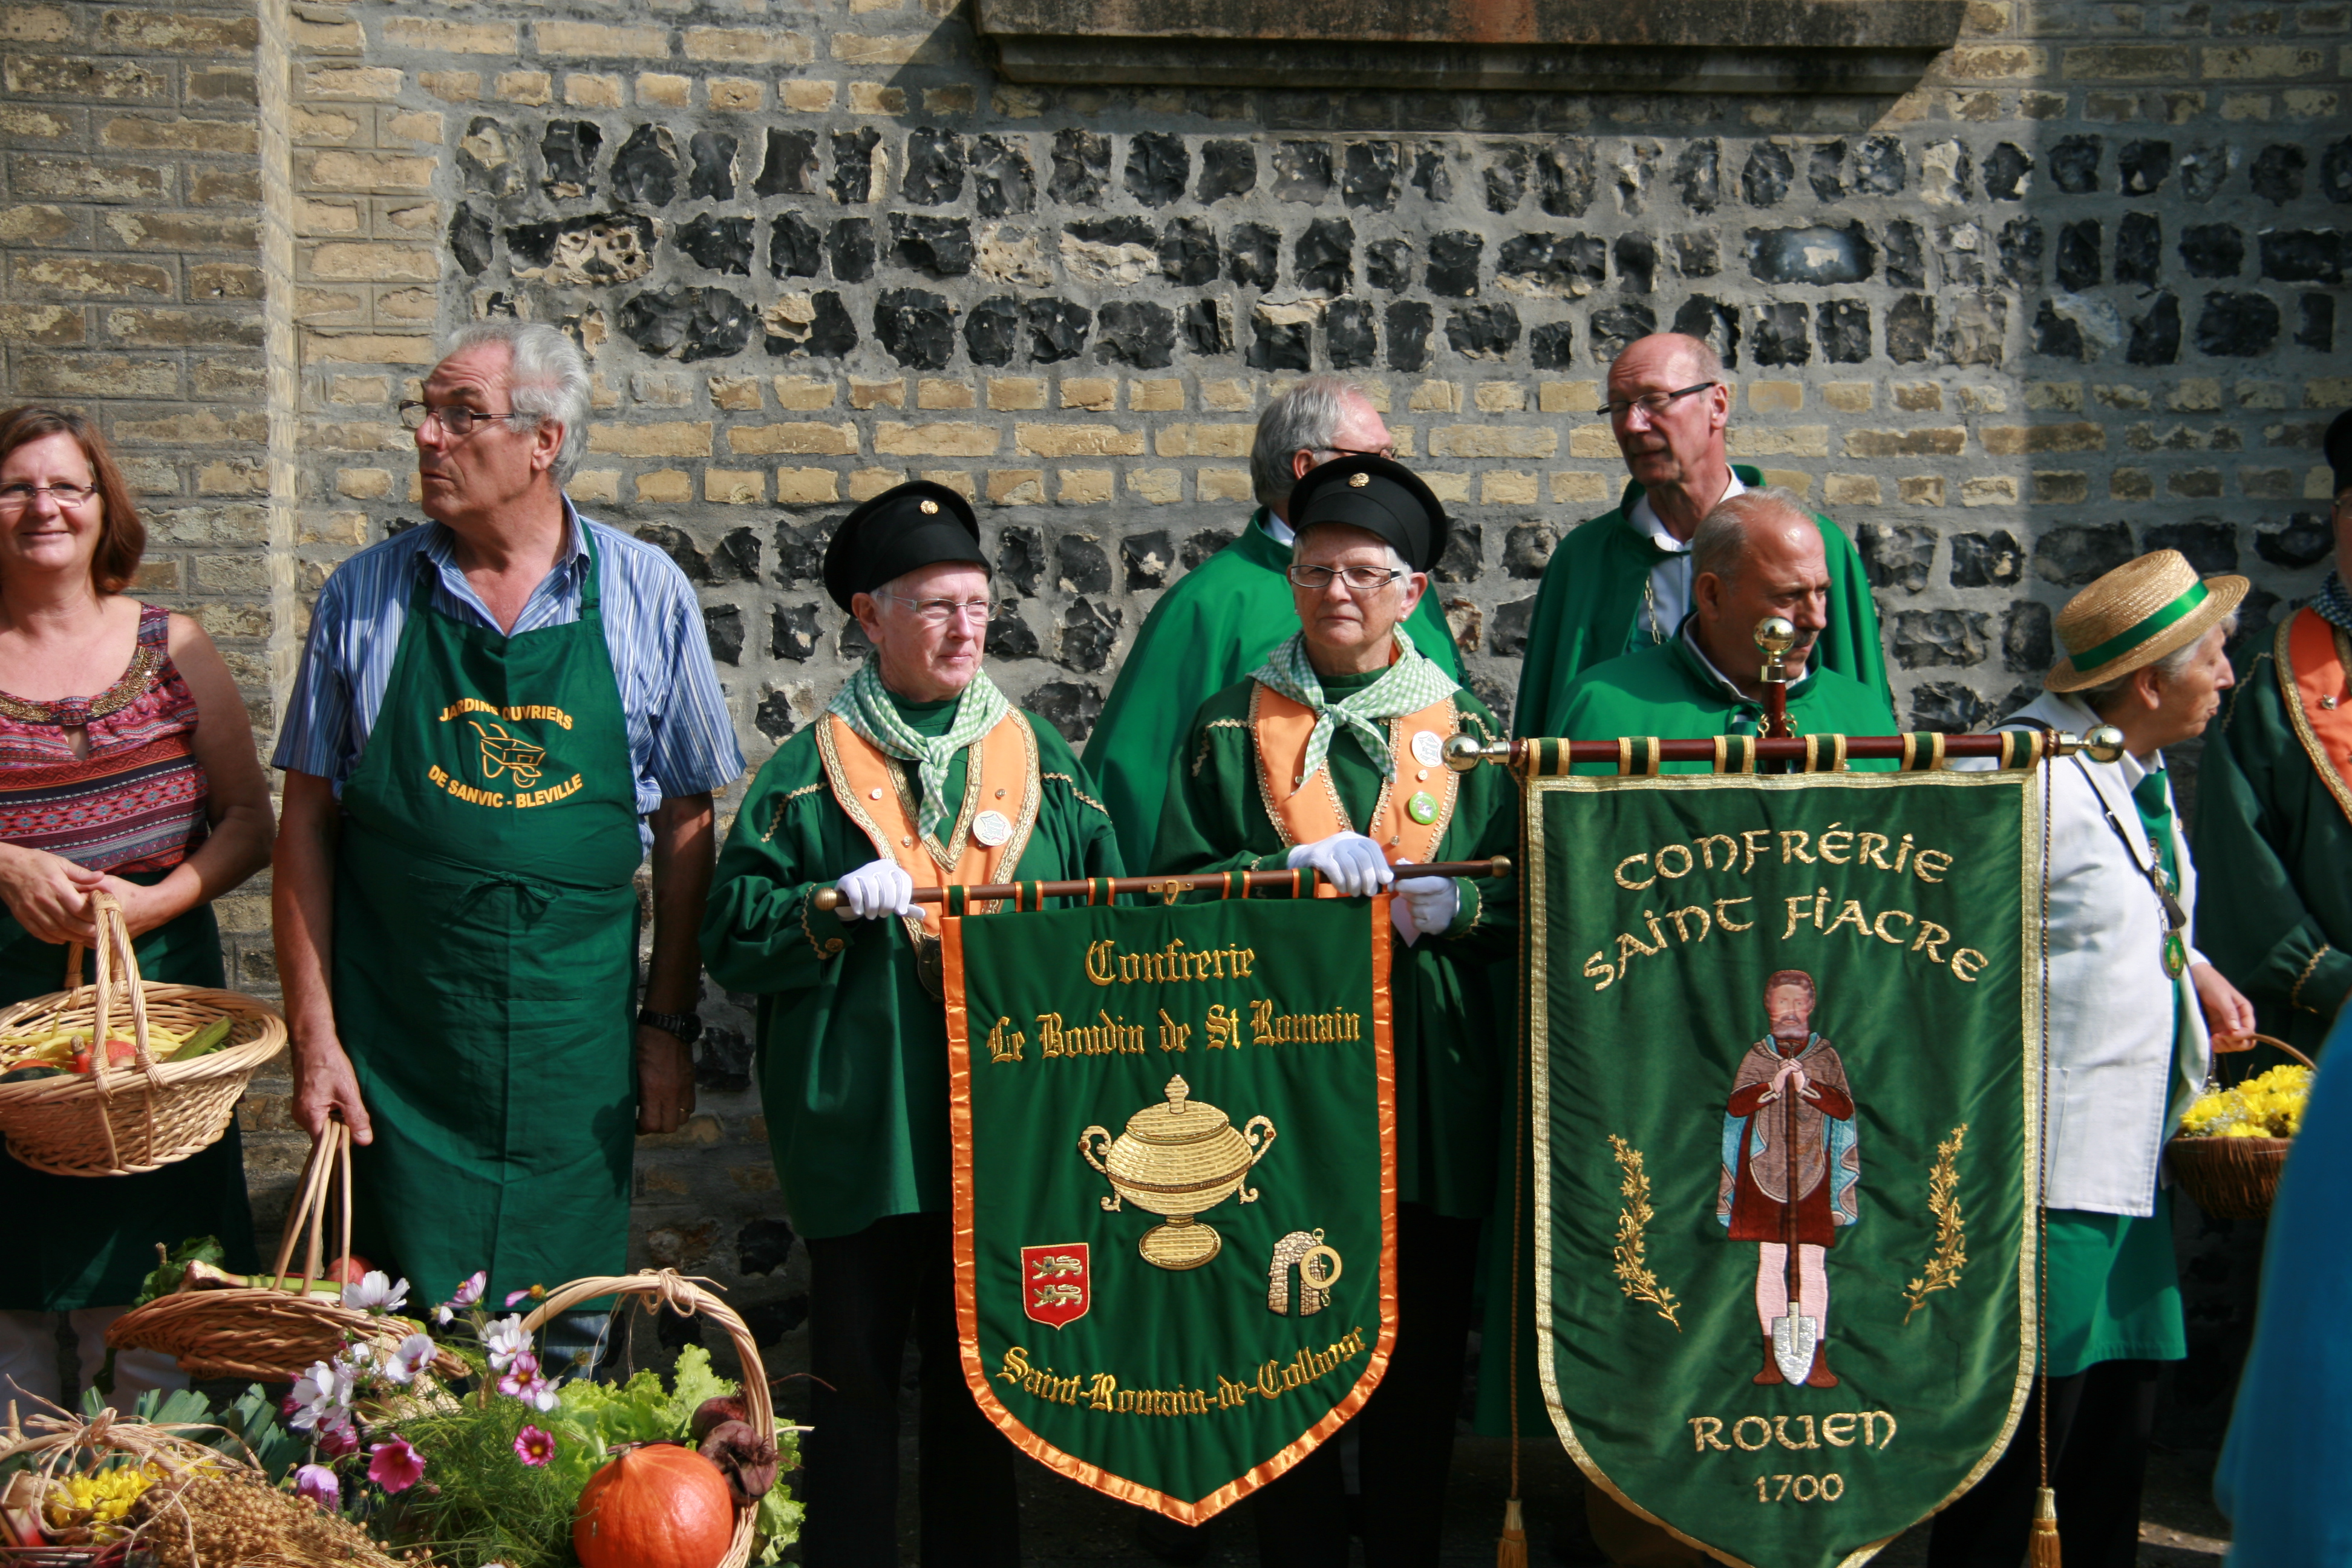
x=533, y=1447
x=536, y=1293
x=338, y=1436
x=395, y=1465
x=318, y=1483
x=469, y=1294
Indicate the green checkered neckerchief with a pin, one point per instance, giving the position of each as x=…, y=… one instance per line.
x=1410, y=684
x=865, y=705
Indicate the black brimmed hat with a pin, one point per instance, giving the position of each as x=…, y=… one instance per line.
x=1381, y=496
x=906, y=527
x=2338, y=447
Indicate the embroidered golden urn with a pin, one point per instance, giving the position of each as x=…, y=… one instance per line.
x=1178, y=1160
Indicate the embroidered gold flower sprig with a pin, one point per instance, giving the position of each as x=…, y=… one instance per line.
x=1951, y=1241
x=1632, y=1267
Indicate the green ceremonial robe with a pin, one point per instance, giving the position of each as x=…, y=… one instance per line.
x=1668, y=691
x=1449, y=1044
x=2274, y=866
x=1589, y=611
x=852, y=1051
x=1215, y=625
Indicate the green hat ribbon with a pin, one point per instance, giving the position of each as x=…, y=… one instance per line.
x=2122, y=642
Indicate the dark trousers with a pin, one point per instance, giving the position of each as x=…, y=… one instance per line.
x=864, y=1291
x=2100, y=1423
x=1404, y=1432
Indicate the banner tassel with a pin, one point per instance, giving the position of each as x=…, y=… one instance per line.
x=2043, y=1544
x=1511, y=1550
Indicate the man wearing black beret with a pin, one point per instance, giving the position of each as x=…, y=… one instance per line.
x=920, y=773
x=2275, y=808
x=1329, y=756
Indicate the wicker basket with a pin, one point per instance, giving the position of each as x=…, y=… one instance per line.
x=274, y=1333
x=119, y=1123
x=2232, y=1178
x=668, y=1287
x=51, y=1442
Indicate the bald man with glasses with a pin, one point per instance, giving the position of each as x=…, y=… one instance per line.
x=1621, y=582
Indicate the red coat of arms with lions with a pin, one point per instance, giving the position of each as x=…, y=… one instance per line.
x=1053, y=1283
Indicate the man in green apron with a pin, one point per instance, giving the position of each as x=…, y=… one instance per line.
x=1223, y=616
x=491, y=711
x=920, y=773
x=1624, y=580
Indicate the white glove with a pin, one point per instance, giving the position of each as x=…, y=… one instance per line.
x=877, y=888
x=1422, y=905
x=1349, y=861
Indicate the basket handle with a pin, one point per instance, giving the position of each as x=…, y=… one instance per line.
x=114, y=949
x=668, y=1288
x=328, y=1168
x=2230, y=1045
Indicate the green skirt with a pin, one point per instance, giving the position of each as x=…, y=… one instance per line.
x=87, y=1241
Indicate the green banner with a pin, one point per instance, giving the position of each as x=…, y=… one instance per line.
x=1175, y=1253
x=1785, y=1037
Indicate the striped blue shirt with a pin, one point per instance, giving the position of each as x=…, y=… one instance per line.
x=681, y=741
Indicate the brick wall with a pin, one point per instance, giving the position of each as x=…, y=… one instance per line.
x=2073, y=297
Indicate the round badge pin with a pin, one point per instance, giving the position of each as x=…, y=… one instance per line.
x=991, y=828
x=1428, y=748
x=1421, y=807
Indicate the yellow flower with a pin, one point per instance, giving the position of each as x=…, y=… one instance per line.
x=99, y=1500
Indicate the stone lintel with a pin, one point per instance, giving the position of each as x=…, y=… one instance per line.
x=1691, y=45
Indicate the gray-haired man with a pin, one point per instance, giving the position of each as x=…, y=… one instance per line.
x=496, y=715
x=1222, y=619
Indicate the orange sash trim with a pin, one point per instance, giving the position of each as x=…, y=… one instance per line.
x=2313, y=679
x=1304, y=813
x=1000, y=776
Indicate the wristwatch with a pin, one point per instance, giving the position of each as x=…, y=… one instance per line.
x=687, y=1027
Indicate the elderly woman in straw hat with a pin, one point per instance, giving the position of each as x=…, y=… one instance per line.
x=2132, y=1005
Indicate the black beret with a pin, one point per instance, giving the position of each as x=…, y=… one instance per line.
x=906, y=527
x=1381, y=496
x=2338, y=447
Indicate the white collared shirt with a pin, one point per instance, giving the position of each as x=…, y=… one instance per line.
x=1670, y=579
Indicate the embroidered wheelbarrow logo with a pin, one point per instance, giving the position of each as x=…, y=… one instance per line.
x=505, y=753
x=1053, y=1283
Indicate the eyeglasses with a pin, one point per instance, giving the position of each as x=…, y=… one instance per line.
x=938, y=613
x=1652, y=404
x=1359, y=579
x=455, y=418
x=1388, y=451
x=15, y=498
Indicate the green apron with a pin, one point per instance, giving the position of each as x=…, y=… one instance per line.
x=485, y=950
x=89, y=1241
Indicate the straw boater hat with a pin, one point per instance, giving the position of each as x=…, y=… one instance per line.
x=2136, y=615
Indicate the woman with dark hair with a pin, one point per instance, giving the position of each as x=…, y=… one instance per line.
x=127, y=766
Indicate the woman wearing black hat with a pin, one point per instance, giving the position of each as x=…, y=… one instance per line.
x=1329, y=756
x=918, y=774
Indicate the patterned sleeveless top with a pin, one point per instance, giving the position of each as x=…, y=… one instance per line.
x=137, y=802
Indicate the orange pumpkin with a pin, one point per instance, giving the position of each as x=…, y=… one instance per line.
x=658, y=1507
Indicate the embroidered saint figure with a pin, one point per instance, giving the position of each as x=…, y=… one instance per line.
x=1791, y=1163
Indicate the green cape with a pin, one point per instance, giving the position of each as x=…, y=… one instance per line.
x=1449, y=1043
x=2273, y=846
x=1667, y=691
x=1589, y=612
x=1216, y=625
x=852, y=1057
